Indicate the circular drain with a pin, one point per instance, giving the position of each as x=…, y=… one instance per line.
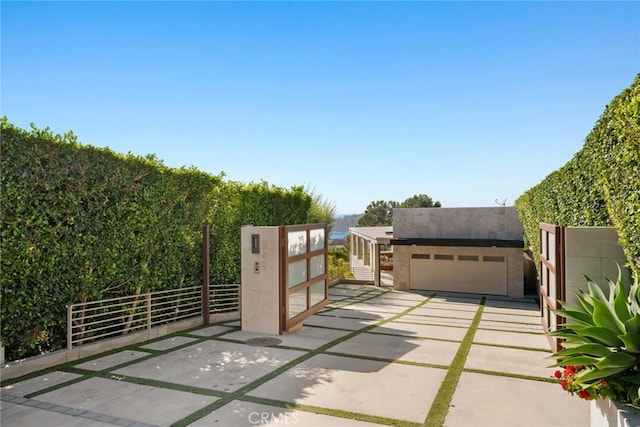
x=263, y=342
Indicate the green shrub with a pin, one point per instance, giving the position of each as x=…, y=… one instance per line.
x=81, y=223
x=600, y=185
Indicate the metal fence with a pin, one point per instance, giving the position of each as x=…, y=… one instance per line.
x=336, y=273
x=95, y=320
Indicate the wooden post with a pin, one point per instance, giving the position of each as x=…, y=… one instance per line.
x=205, y=274
x=149, y=312
x=69, y=327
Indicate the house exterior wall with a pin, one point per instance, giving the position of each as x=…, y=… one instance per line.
x=501, y=222
x=594, y=252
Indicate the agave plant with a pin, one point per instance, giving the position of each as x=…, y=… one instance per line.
x=602, y=342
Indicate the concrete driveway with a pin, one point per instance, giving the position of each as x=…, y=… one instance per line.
x=374, y=356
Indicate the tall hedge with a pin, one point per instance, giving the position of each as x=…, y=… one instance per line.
x=600, y=185
x=81, y=223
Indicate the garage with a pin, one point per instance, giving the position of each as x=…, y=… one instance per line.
x=454, y=272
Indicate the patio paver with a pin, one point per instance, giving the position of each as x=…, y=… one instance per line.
x=510, y=360
x=357, y=385
x=112, y=360
x=40, y=382
x=306, y=337
x=249, y=414
x=507, y=402
x=119, y=399
x=399, y=348
x=213, y=365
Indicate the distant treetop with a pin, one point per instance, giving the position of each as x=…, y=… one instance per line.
x=380, y=213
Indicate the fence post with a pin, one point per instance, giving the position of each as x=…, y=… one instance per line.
x=205, y=274
x=69, y=327
x=149, y=311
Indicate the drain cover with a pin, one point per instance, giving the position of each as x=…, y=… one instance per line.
x=263, y=342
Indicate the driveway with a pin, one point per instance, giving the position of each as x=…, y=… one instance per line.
x=374, y=356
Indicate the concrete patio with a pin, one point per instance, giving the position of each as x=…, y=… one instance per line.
x=374, y=356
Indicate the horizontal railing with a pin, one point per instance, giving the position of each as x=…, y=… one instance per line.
x=96, y=320
x=339, y=272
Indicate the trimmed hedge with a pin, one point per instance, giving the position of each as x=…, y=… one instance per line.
x=82, y=223
x=600, y=185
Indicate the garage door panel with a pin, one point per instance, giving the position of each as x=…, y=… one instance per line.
x=466, y=273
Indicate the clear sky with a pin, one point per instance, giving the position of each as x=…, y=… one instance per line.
x=467, y=102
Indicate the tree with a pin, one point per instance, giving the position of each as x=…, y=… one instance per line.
x=380, y=213
x=321, y=210
x=419, y=201
x=377, y=214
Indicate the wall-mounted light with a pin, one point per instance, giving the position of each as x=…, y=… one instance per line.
x=255, y=243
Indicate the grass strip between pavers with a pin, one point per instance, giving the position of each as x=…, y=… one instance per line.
x=443, y=325
x=442, y=401
x=410, y=336
x=331, y=412
x=162, y=384
x=387, y=360
x=202, y=412
x=514, y=347
x=550, y=379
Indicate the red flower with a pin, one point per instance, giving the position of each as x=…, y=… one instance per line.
x=557, y=374
x=585, y=394
x=563, y=384
x=570, y=370
x=603, y=382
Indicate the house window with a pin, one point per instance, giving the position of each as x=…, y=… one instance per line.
x=443, y=257
x=420, y=256
x=467, y=257
x=490, y=258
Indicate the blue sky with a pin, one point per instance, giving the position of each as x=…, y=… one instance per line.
x=467, y=102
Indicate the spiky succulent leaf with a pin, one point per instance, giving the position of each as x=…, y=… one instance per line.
x=618, y=359
x=585, y=301
x=600, y=335
x=578, y=316
x=592, y=374
x=619, y=298
x=634, y=295
x=605, y=316
x=632, y=326
x=631, y=342
x=578, y=360
x=597, y=350
x=595, y=291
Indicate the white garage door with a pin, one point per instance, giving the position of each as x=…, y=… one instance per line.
x=485, y=274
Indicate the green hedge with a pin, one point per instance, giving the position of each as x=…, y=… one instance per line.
x=600, y=185
x=81, y=223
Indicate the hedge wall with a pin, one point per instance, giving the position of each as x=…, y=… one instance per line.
x=81, y=223
x=600, y=185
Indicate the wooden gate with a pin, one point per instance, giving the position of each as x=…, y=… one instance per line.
x=552, y=278
x=303, y=273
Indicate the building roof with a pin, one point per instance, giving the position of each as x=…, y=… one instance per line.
x=379, y=234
